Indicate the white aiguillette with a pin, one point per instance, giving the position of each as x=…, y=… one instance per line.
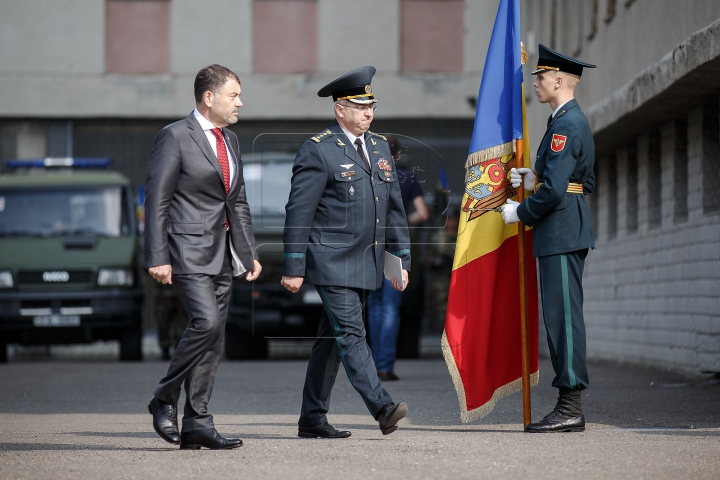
x=393, y=268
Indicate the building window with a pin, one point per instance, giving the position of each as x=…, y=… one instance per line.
x=612, y=195
x=631, y=205
x=711, y=160
x=137, y=36
x=680, y=173
x=654, y=180
x=432, y=35
x=285, y=38
x=609, y=11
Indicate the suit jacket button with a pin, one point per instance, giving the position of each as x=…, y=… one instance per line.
x=375, y=242
x=377, y=220
x=376, y=199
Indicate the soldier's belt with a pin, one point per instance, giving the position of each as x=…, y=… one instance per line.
x=572, y=188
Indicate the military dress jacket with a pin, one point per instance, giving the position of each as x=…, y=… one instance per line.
x=561, y=220
x=342, y=215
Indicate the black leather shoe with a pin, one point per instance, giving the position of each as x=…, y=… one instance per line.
x=324, y=430
x=390, y=415
x=387, y=376
x=208, y=438
x=556, y=422
x=165, y=420
x=566, y=417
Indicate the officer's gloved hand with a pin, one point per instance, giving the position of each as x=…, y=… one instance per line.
x=524, y=175
x=509, y=211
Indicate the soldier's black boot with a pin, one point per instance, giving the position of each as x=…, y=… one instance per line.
x=566, y=417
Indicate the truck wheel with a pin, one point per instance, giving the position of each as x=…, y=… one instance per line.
x=240, y=345
x=131, y=344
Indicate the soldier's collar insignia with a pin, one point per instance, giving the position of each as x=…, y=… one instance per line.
x=373, y=141
x=347, y=165
x=339, y=143
x=557, y=143
x=384, y=165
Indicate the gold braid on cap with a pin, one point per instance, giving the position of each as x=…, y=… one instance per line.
x=547, y=68
x=355, y=96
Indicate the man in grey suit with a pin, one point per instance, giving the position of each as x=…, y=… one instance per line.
x=345, y=210
x=198, y=236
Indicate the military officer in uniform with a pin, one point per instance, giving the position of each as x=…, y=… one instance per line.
x=562, y=233
x=344, y=211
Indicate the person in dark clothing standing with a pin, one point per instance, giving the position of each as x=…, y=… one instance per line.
x=384, y=303
x=562, y=232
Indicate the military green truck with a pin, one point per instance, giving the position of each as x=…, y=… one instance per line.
x=68, y=256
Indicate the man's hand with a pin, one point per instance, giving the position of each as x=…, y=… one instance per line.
x=161, y=273
x=292, y=283
x=395, y=283
x=524, y=175
x=509, y=211
x=254, y=273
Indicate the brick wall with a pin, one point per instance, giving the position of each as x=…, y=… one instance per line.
x=652, y=295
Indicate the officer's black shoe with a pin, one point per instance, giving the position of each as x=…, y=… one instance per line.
x=389, y=415
x=387, y=376
x=566, y=417
x=324, y=430
x=165, y=420
x=208, y=438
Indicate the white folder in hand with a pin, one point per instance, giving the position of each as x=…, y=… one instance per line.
x=393, y=268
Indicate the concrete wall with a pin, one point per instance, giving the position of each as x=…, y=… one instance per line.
x=651, y=286
x=57, y=48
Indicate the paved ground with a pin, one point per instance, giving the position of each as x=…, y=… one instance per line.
x=87, y=418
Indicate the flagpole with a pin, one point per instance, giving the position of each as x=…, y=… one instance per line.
x=522, y=290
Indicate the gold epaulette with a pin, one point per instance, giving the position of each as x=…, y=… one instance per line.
x=318, y=138
x=377, y=135
x=573, y=187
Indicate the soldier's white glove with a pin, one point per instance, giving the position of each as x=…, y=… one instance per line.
x=509, y=211
x=524, y=175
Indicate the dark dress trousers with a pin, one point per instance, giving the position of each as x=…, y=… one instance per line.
x=185, y=213
x=562, y=235
x=341, y=217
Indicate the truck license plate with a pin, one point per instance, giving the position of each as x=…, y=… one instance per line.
x=56, y=320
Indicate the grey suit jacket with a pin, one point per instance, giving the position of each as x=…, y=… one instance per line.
x=186, y=205
x=343, y=215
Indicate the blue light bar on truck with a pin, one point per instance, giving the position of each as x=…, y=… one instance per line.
x=55, y=162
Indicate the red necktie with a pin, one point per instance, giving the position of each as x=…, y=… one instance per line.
x=224, y=164
x=222, y=157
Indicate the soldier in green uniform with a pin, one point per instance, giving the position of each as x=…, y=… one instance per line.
x=562, y=232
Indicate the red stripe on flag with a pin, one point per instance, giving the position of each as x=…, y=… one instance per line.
x=482, y=324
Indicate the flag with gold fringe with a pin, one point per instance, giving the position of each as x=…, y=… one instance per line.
x=482, y=341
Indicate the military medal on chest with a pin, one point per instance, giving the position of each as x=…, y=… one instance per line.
x=384, y=165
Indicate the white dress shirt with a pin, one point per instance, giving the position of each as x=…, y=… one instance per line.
x=352, y=139
x=212, y=139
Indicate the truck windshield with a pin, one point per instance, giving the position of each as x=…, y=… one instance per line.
x=63, y=212
x=267, y=186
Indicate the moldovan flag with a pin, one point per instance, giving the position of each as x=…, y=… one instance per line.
x=481, y=342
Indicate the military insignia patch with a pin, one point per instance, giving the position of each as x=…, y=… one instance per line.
x=352, y=190
x=557, y=143
x=384, y=165
x=347, y=165
x=339, y=143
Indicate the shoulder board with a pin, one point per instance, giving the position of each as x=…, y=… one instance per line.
x=321, y=136
x=377, y=135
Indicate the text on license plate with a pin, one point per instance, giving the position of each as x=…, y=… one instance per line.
x=56, y=320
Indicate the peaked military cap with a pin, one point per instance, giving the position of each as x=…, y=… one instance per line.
x=549, y=59
x=353, y=87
